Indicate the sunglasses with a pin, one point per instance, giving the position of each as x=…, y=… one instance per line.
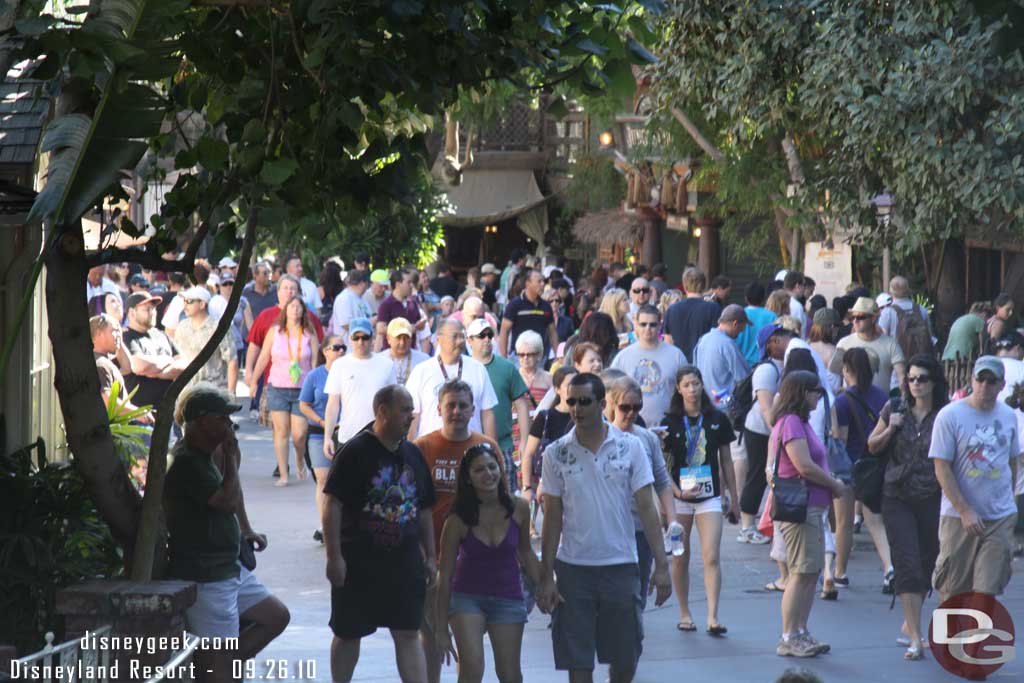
x=630, y=407
x=860, y=317
x=643, y=290
x=532, y=354
x=584, y=402
x=988, y=380
x=336, y=347
x=191, y=301
x=647, y=324
x=360, y=338
x=918, y=379
x=485, y=335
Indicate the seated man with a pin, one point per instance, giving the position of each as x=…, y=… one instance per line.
x=206, y=524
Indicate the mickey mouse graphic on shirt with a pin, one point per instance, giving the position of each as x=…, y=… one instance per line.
x=981, y=446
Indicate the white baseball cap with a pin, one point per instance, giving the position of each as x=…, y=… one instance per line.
x=478, y=326
x=227, y=262
x=781, y=275
x=201, y=293
x=884, y=299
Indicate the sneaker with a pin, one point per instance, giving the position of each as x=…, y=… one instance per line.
x=858, y=522
x=795, y=647
x=841, y=580
x=819, y=647
x=887, y=583
x=743, y=536
x=254, y=414
x=277, y=472
x=757, y=538
x=318, y=535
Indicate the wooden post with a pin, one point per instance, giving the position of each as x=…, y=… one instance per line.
x=707, y=248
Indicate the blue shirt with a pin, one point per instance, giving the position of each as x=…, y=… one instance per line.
x=720, y=363
x=313, y=390
x=747, y=341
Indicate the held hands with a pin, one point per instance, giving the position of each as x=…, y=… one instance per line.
x=548, y=597
x=336, y=572
x=688, y=494
x=662, y=583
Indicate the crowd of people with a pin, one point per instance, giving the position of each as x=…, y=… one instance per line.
x=452, y=426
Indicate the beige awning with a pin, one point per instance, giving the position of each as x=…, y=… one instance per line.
x=491, y=196
x=608, y=227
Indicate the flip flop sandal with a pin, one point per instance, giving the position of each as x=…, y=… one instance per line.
x=717, y=630
x=773, y=587
x=686, y=626
x=913, y=654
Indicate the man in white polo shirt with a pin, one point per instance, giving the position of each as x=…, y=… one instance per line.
x=426, y=379
x=591, y=476
x=353, y=380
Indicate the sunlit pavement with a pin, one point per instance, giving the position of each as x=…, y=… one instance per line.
x=860, y=626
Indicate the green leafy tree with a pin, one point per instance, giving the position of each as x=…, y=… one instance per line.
x=314, y=114
x=834, y=101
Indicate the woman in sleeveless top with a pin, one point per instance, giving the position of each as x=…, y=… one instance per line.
x=530, y=351
x=485, y=540
x=290, y=348
x=547, y=425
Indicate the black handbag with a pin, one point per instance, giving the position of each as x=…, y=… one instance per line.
x=789, y=495
x=869, y=470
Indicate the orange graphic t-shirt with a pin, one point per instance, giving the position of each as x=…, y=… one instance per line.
x=443, y=458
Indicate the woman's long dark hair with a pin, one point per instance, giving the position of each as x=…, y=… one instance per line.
x=560, y=376
x=678, y=405
x=857, y=361
x=799, y=359
x=467, y=504
x=599, y=328
x=940, y=387
x=793, y=395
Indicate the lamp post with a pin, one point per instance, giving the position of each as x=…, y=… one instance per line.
x=883, y=213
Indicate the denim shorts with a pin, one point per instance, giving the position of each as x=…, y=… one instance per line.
x=283, y=400
x=218, y=604
x=315, y=448
x=495, y=610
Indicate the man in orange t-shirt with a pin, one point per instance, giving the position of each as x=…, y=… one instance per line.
x=443, y=451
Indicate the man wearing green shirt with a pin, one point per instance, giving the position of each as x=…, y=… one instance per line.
x=509, y=387
x=207, y=524
x=966, y=333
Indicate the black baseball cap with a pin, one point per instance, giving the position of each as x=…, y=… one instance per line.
x=141, y=298
x=208, y=401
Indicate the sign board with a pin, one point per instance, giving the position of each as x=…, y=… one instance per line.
x=831, y=269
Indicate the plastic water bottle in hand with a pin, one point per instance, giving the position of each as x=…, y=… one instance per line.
x=674, y=539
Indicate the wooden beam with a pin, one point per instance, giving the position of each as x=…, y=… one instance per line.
x=697, y=136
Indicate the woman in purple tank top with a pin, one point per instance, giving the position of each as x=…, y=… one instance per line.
x=485, y=540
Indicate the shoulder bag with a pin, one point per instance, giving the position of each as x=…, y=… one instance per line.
x=869, y=470
x=839, y=463
x=789, y=495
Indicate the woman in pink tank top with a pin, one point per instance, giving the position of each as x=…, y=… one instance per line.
x=485, y=540
x=290, y=348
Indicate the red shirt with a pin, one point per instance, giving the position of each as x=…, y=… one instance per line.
x=267, y=319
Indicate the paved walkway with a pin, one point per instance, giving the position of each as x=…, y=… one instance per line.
x=860, y=625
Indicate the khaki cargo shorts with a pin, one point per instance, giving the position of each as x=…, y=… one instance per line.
x=982, y=564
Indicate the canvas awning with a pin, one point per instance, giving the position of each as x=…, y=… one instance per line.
x=491, y=196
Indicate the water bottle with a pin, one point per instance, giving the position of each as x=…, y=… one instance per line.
x=674, y=539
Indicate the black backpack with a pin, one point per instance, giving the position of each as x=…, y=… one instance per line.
x=743, y=398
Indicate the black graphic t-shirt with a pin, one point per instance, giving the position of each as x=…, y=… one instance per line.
x=381, y=494
x=714, y=432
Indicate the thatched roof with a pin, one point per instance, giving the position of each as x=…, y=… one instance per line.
x=608, y=227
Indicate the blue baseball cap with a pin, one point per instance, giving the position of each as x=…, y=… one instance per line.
x=766, y=333
x=360, y=325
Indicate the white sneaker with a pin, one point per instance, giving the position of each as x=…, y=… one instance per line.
x=755, y=537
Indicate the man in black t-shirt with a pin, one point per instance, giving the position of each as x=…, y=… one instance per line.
x=444, y=284
x=688, y=320
x=528, y=312
x=155, y=360
x=378, y=533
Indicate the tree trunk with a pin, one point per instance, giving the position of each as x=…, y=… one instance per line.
x=949, y=294
x=78, y=390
